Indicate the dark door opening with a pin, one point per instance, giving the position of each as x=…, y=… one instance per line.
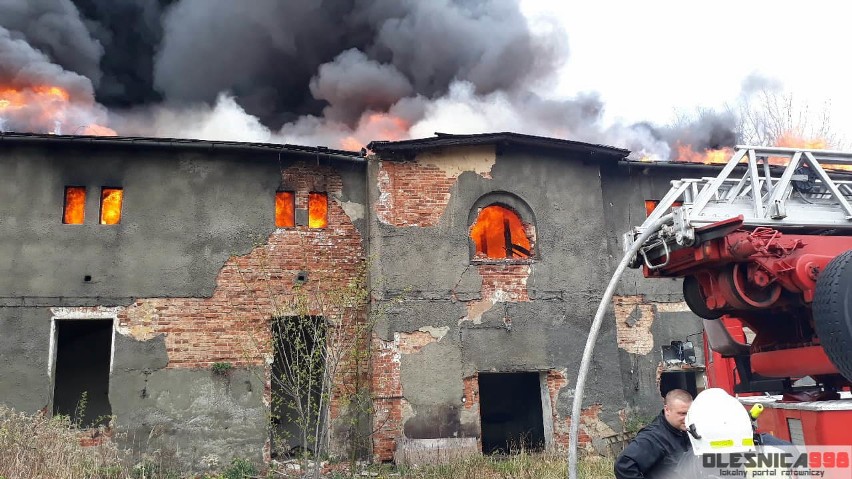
x=510, y=411
x=81, y=385
x=299, y=394
x=678, y=380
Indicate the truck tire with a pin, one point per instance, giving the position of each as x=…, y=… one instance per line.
x=832, y=309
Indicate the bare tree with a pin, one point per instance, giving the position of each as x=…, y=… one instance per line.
x=769, y=117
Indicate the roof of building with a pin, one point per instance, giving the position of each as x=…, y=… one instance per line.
x=441, y=140
x=313, y=151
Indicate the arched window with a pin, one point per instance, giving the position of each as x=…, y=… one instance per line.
x=499, y=233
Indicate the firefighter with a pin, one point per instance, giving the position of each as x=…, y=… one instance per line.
x=659, y=446
x=719, y=426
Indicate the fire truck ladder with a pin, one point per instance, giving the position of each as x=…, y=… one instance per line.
x=803, y=198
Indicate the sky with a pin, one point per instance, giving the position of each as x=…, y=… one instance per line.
x=650, y=59
x=406, y=69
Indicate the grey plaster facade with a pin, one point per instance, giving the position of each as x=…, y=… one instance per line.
x=189, y=208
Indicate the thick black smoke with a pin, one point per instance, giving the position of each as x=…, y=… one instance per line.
x=282, y=60
x=130, y=32
x=55, y=28
x=311, y=71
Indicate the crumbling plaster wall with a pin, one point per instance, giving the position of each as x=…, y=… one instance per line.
x=649, y=313
x=182, y=271
x=526, y=316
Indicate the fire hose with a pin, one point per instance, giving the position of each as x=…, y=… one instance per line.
x=592, y=339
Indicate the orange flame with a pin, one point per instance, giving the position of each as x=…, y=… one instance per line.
x=75, y=205
x=351, y=143
x=686, y=154
x=791, y=140
x=376, y=126
x=285, y=209
x=317, y=210
x=493, y=227
x=722, y=156
x=111, y=206
x=40, y=108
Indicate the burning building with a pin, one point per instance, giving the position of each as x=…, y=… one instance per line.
x=165, y=282
x=147, y=276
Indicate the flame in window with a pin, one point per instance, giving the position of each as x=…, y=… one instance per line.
x=285, y=209
x=499, y=233
x=111, y=205
x=317, y=210
x=75, y=205
x=651, y=205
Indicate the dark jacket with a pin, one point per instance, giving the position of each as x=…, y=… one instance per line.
x=654, y=452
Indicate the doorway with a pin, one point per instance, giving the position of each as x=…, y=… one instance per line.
x=81, y=373
x=511, y=412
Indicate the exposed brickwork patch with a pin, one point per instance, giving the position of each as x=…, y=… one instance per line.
x=387, y=388
x=501, y=283
x=411, y=193
x=633, y=320
x=232, y=325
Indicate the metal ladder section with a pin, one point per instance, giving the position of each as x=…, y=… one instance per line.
x=803, y=196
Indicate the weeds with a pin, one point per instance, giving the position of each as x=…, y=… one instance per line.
x=221, y=368
x=519, y=466
x=42, y=447
x=37, y=447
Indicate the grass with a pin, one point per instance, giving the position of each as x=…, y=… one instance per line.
x=34, y=447
x=41, y=447
x=519, y=466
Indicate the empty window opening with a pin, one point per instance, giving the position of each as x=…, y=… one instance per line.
x=510, y=411
x=74, y=212
x=318, y=210
x=499, y=233
x=285, y=209
x=686, y=380
x=81, y=384
x=300, y=388
x=111, y=205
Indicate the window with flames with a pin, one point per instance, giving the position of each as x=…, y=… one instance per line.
x=499, y=233
x=285, y=209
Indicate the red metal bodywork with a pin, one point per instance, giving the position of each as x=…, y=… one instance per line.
x=819, y=426
x=767, y=280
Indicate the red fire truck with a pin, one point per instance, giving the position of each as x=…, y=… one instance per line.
x=765, y=253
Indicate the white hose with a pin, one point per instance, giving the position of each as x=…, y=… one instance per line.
x=592, y=339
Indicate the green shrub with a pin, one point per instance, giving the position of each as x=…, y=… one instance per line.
x=240, y=469
x=221, y=368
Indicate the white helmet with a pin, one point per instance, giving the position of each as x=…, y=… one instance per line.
x=718, y=423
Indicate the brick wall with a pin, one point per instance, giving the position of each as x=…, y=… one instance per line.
x=233, y=325
x=411, y=193
x=505, y=281
x=387, y=388
x=633, y=320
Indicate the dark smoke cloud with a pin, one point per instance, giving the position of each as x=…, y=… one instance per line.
x=708, y=130
x=279, y=57
x=23, y=66
x=326, y=72
x=55, y=28
x=130, y=33
x=486, y=43
x=353, y=84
